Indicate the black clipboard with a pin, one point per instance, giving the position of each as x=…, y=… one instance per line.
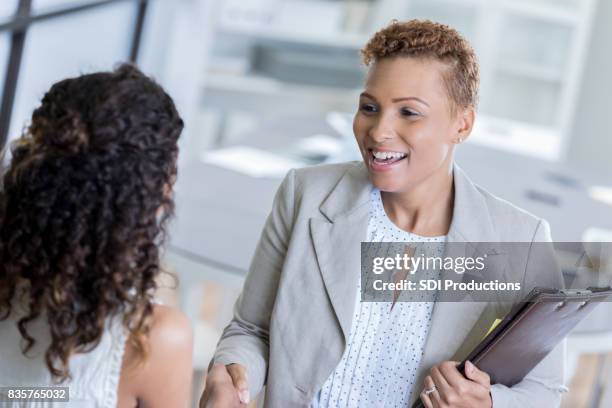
x=530, y=331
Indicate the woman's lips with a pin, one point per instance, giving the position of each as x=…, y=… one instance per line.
x=384, y=165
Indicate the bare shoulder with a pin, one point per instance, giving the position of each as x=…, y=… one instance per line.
x=164, y=377
x=170, y=330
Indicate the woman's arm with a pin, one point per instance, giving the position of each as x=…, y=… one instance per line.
x=542, y=387
x=245, y=340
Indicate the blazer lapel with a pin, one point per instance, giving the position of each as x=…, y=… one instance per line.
x=339, y=256
x=337, y=242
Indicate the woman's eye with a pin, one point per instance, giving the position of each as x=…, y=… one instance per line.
x=408, y=112
x=368, y=108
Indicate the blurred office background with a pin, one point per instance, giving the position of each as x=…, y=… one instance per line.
x=266, y=85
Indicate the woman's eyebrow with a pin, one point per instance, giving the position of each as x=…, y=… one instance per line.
x=410, y=98
x=395, y=100
x=367, y=95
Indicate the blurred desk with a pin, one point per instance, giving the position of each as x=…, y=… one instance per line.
x=556, y=192
x=219, y=215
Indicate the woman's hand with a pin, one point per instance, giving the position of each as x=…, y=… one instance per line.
x=446, y=387
x=226, y=387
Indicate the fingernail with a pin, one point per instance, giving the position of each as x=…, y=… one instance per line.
x=244, y=396
x=469, y=367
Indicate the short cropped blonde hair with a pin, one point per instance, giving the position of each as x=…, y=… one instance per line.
x=427, y=39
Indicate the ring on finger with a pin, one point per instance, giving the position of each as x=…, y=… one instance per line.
x=430, y=390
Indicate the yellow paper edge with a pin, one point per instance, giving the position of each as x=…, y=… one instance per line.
x=493, y=326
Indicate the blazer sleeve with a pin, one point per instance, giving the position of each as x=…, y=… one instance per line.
x=544, y=385
x=246, y=339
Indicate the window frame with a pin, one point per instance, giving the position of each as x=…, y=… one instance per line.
x=18, y=25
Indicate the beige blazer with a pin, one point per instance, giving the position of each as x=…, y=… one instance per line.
x=293, y=317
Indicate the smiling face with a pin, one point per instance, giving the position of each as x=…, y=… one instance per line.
x=405, y=127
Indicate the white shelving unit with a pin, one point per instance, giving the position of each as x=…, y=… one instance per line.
x=531, y=52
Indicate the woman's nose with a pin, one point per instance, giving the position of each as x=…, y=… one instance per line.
x=382, y=131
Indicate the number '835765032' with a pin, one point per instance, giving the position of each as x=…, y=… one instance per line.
x=52, y=394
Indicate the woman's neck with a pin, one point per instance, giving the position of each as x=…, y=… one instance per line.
x=426, y=209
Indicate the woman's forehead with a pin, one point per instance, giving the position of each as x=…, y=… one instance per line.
x=396, y=77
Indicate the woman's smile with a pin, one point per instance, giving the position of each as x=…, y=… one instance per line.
x=386, y=160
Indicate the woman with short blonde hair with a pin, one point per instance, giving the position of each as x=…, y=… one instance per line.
x=299, y=326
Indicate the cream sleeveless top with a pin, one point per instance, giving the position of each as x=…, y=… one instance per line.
x=95, y=375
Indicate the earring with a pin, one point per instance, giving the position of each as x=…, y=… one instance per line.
x=460, y=140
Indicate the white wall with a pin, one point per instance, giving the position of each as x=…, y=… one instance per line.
x=175, y=50
x=591, y=135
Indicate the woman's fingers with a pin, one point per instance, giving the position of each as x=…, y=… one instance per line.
x=433, y=390
x=441, y=382
x=473, y=373
x=453, y=377
x=454, y=389
x=426, y=400
x=239, y=378
x=219, y=391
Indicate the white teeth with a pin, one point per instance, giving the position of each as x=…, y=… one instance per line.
x=388, y=155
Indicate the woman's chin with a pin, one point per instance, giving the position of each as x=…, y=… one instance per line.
x=386, y=184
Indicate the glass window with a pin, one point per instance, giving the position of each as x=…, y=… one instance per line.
x=7, y=9
x=68, y=46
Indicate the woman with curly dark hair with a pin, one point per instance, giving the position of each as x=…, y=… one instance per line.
x=83, y=208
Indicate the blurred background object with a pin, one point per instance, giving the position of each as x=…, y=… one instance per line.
x=266, y=85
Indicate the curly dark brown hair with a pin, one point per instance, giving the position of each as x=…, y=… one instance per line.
x=83, y=211
x=428, y=39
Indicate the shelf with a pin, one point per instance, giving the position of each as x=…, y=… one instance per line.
x=543, y=11
x=257, y=84
x=242, y=83
x=351, y=41
x=532, y=71
x=539, y=10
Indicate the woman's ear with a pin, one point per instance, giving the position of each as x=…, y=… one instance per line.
x=465, y=122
